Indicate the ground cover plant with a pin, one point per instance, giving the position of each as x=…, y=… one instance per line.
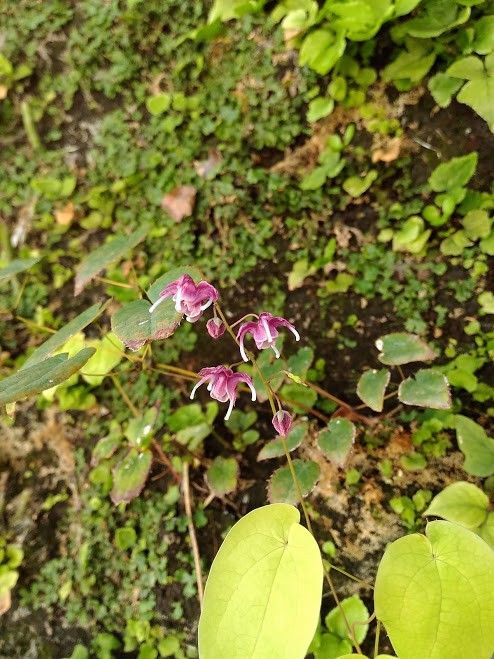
x=246, y=341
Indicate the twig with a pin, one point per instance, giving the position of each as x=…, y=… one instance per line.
x=165, y=460
x=192, y=532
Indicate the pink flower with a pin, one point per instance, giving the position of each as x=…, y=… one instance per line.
x=190, y=298
x=264, y=332
x=215, y=327
x=282, y=422
x=222, y=385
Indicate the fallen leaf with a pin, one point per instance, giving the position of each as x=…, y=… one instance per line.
x=179, y=202
x=5, y=602
x=388, y=151
x=3, y=94
x=65, y=215
x=208, y=168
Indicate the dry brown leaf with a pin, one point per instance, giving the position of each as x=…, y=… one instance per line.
x=65, y=215
x=179, y=202
x=388, y=151
x=3, y=92
x=207, y=168
x=5, y=602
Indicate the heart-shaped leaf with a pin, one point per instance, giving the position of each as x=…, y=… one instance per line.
x=45, y=375
x=435, y=594
x=275, y=448
x=371, y=387
x=58, y=339
x=477, y=447
x=101, y=257
x=336, y=440
x=428, y=388
x=129, y=475
x=268, y=563
x=401, y=348
x=463, y=503
x=17, y=266
x=222, y=475
x=352, y=611
x=282, y=489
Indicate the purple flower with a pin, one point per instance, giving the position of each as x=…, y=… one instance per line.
x=190, y=298
x=222, y=385
x=282, y=422
x=215, y=327
x=264, y=332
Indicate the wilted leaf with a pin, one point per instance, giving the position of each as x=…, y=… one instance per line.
x=45, y=375
x=428, y=388
x=400, y=348
x=17, y=266
x=275, y=449
x=282, y=489
x=336, y=440
x=179, y=202
x=65, y=215
x=371, y=387
x=222, y=475
x=101, y=257
x=241, y=616
x=129, y=475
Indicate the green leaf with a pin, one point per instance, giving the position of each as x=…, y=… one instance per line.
x=455, y=244
x=45, y=375
x=267, y=563
x=336, y=440
x=467, y=68
x=222, y=475
x=125, y=537
x=484, y=35
x=158, y=104
x=274, y=448
x=476, y=446
x=109, y=353
x=463, y=503
x=298, y=397
x=453, y=174
x=486, y=302
x=371, y=387
x=356, y=614
x=479, y=95
x=400, y=348
x=487, y=244
x=355, y=186
x=106, y=447
x=435, y=594
x=427, y=388
x=101, y=257
x=58, y=339
x=54, y=188
x=282, y=489
x=477, y=224
x=129, y=475
x=486, y=531
x=17, y=266
x=331, y=646
x=411, y=66
x=319, y=107
x=443, y=87
x=299, y=363
x=321, y=49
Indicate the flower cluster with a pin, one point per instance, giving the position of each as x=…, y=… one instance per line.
x=192, y=300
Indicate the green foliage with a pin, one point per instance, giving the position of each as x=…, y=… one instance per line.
x=428, y=388
x=275, y=447
x=17, y=266
x=400, y=348
x=337, y=439
x=222, y=475
x=418, y=574
x=283, y=489
x=284, y=564
x=372, y=386
x=476, y=446
x=11, y=557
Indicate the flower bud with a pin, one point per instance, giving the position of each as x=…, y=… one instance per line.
x=282, y=422
x=215, y=328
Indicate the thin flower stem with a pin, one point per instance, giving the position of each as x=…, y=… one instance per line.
x=247, y=315
x=376, y=640
x=179, y=371
x=350, y=576
x=34, y=325
x=165, y=460
x=192, y=532
x=124, y=395
x=112, y=282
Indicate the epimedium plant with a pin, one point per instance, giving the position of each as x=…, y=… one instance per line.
x=263, y=594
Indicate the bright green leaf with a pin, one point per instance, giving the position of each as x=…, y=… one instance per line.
x=356, y=615
x=476, y=446
x=454, y=173
x=463, y=503
x=443, y=87
x=319, y=107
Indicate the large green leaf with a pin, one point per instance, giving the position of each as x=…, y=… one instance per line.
x=463, y=503
x=336, y=440
x=130, y=474
x=275, y=448
x=282, y=489
x=479, y=95
x=477, y=447
x=435, y=594
x=111, y=251
x=401, y=348
x=263, y=594
x=45, y=375
x=17, y=266
x=371, y=387
x=453, y=174
x=58, y=339
x=427, y=388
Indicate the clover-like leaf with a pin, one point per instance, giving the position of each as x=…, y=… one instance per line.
x=463, y=503
x=435, y=594
x=17, y=266
x=58, y=339
x=44, y=375
x=102, y=256
x=282, y=489
x=371, y=387
x=275, y=448
x=400, y=348
x=476, y=446
x=267, y=563
x=428, y=388
x=129, y=475
x=222, y=475
x=337, y=439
